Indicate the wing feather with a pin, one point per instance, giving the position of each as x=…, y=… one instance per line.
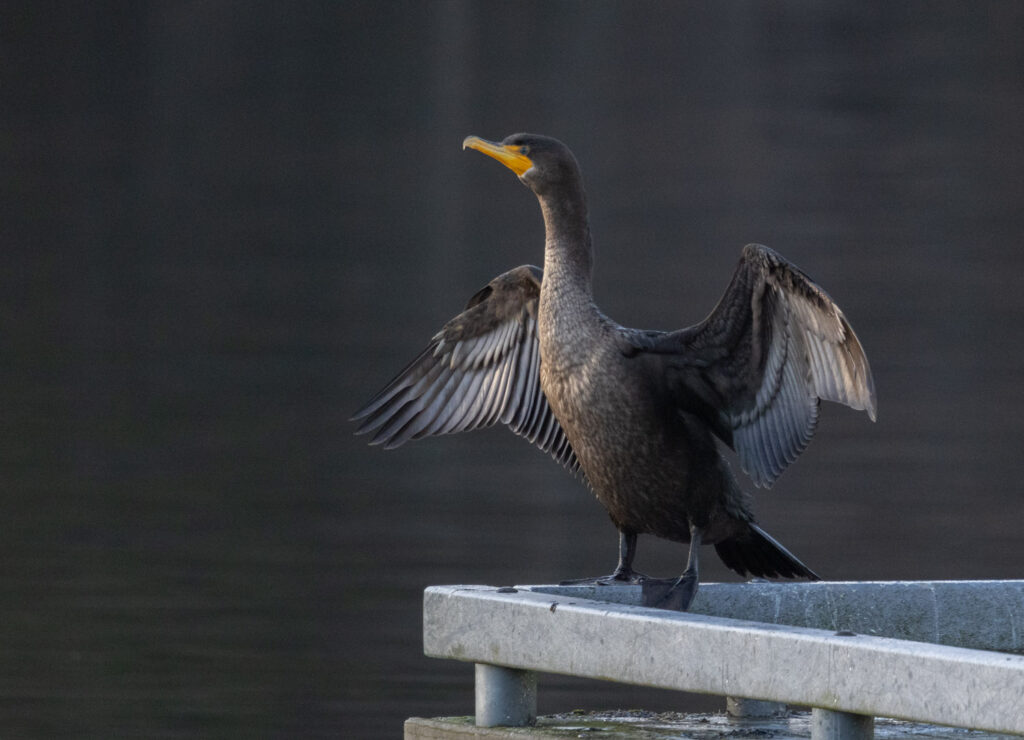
x=775, y=346
x=481, y=368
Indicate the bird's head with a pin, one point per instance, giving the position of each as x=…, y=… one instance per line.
x=542, y=163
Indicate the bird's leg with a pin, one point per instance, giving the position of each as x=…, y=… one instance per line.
x=624, y=572
x=627, y=551
x=680, y=594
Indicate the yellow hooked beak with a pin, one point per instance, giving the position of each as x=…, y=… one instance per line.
x=508, y=155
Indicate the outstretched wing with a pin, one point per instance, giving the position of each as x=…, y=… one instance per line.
x=758, y=365
x=483, y=367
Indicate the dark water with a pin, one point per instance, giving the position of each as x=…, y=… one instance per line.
x=224, y=226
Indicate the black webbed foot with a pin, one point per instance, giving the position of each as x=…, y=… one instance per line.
x=670, y=593
x=677, y=594
x=626, y=578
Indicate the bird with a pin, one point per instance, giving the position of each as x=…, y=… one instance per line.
x=639, y=415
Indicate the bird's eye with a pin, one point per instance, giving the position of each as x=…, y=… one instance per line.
x=524, y=150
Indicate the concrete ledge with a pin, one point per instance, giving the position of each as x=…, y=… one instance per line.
x=639, y=725
x=836, y=670
x=984, y=615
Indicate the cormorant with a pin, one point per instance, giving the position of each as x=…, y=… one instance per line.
x=637, y=413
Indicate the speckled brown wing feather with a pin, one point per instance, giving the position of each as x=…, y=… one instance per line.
x=482, y=368
x=758, y=365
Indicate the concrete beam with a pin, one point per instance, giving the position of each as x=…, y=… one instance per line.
x=859, y=674
x=985, y=615
x=642, y=725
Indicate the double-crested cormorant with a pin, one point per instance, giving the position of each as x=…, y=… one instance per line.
x=637, y=413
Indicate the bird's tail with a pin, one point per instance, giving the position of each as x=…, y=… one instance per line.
x=758, y=553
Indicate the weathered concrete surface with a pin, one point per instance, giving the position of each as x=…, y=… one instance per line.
x=984, y=615
x=639, y=725
x=872, y=676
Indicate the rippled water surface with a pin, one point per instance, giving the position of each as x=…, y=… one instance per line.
x=225, y=227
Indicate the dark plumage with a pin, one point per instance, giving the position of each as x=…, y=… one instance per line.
x=637, y=413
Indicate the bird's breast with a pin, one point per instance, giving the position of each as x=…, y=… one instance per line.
x=611, y=416
x=646, y=464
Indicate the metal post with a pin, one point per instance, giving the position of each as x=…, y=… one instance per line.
x=827, y=724
x=505, y=696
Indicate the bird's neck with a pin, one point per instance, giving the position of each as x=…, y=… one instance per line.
x=569, y=320
x=568, y=254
